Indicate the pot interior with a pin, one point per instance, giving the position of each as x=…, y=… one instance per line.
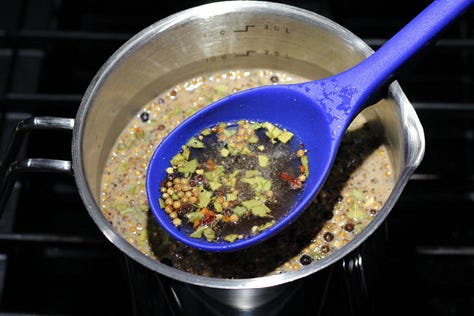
x=235, y=35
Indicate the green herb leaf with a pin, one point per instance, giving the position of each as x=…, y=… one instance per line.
x=214, y=185
x=218, y=207
x=132, y=188
x=186, y=152
x=252, y=173
x=255, y=125
x=246, y=151
x=195, y=143
x=253, y=139
x=231, y=197
x=178, y=160
x=239, y=210
x=198, y=232
x=358, y=228
x=258, y=229
x=355, y=212
x=259, y=183
x=121, y=146
x=127, y=210
x=206, y=132
x=216, y=174
x=209, y=233
x=194, y=216
x=317, y=253
x=188, y=166
x=162, y=203
x=204, y=198
x=225, y=152
x=139, y=134
x=272, y=131
x=123, y=166
x=285, y=136
x=304, y=162
x=262, y=161
x=358, y=194
x=234, y=173
x=229, y=132
x=222, y=90
x=257, y=207
x=231, y=237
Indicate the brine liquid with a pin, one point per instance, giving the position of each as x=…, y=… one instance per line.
x=245, y=177
x=357, y=187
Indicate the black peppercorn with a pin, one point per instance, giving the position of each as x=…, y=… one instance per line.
x=144, y=116
x=305, y=260
x=325, y=249
x=349, y=227
x=199, y=178
x=328, y=236
x=227, y=211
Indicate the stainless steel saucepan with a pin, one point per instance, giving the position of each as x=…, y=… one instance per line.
x=217, y=36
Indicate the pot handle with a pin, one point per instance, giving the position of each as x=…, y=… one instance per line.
x=10, y=168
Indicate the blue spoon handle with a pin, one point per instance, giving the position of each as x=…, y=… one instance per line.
x=364, y=82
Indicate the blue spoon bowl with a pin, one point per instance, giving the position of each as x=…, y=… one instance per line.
x=318, y=112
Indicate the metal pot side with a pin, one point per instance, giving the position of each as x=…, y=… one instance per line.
x=217, y=36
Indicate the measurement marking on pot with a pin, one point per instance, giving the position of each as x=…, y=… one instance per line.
x=212, y=34
x=246, y=29
x=268, y=52
x=246, y=54
x=276, y=28
x=216, y=58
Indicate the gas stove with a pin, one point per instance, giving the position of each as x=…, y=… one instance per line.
x=55, y=261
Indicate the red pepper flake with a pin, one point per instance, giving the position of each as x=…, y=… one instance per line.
x=208, y=217
x=163, y=183
x=211, y=164
x=216, y=129
x=294, y=183
x=286, y=177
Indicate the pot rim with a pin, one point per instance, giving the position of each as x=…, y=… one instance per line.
x=207, y=11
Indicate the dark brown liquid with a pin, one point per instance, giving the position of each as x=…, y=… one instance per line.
x=282, y=158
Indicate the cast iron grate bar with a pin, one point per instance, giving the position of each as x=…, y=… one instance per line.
x=64, y=35
x=18, y=239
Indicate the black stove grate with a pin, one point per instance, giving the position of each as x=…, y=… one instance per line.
x=54, y=260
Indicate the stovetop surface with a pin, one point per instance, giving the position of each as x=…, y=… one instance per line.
x=55, y=261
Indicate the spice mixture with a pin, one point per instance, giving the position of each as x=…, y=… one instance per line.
x=233, y=180
x=356, y=189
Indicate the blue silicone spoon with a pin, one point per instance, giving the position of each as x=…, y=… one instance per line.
x=318, y=112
